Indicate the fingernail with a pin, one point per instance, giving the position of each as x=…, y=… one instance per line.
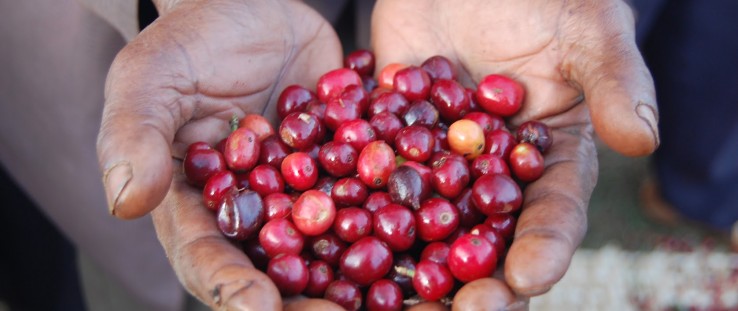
x=115, y=181
x=648, y=115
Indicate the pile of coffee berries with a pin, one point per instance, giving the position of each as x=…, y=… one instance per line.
x=375, y=193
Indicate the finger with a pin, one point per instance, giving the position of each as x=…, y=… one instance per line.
x=553, y=220
x=486, y=294
x=387, y=40
x=428, y=306
x=311, y=305
x=138, y=125
x=617, y=85
x=210, y=267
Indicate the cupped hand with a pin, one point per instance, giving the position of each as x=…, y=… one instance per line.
x=581, y=70
x=180, y=81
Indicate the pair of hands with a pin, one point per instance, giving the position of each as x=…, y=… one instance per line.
x=182, y=79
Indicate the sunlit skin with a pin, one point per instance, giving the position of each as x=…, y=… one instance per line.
x=184, y=77
x=581, y=71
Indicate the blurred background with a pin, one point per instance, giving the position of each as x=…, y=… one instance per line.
x=636, y=255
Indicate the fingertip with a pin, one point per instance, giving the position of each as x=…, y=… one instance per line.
x=115, y=180
x=312, y=304
x=137, y=171
x=485, y=294
x=536, y=261
x=631, y=130
x=428, y=306
x=256, y=292
x=617, y=84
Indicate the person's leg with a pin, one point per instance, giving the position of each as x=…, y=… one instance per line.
x=692, y=52
x=37, y=266
x=54, y=58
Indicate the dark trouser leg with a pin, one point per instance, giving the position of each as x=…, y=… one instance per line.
x=692, y=51
x=38, y=268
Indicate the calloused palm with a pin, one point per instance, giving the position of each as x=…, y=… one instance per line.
x=180, y=81
x=581, y=70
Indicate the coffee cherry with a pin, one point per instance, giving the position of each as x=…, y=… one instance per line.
x=265, y=180
x=496, y=193
x=439, y=67
x=502, y=223
x=345, y=293
x=466, y=137
x=277, y=205
x=327, y=247
x=366, y=261
x=387, y=75
x=450, y=98
x=376, y=163
x=332, y=83
x=486, y=164
x=273, y=150
x=436, y=252
x=217, y=187
x=492, y=236
x=387, y=125
x=472, y=257
x=500, y=95
x=313, y=212
x=357, y=133
x=299, y=130
x=421, y=112
x=352, y=224
x=289, y=272
x=487, y=121
x=294, y=98
x=436, y=219
x=414, y=143
x=320, y=275
x=412, y=82
x=299, y=171
x=536, y=133
x=390, y=101
x=432, y=281
x=526, y=162
x=469, y=215
x=499, y=142
x=384, y=295
x=240, y=214
x=349, y=191
x=202, y=162
x=377, y=200
x=450, y=177
x=361, y=61
x=395, y=225
x=257, y=124
x=333, y=205
x=280, y=236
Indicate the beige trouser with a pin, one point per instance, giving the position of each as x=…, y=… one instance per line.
x=54, y=56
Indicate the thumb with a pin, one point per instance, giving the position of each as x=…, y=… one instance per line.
x=134, y=141
x=617, y=85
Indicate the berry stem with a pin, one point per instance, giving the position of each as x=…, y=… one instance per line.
x=234, y=122
x=405, y=271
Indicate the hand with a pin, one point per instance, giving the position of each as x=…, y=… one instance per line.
x=180, y=81
x=580, y=67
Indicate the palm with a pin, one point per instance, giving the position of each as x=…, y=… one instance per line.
x=214, y=61
x=482, y=38
x=180, y=81
x=563, y=52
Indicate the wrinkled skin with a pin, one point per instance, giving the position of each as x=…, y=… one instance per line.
x=581, y=70
x=182, y=79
